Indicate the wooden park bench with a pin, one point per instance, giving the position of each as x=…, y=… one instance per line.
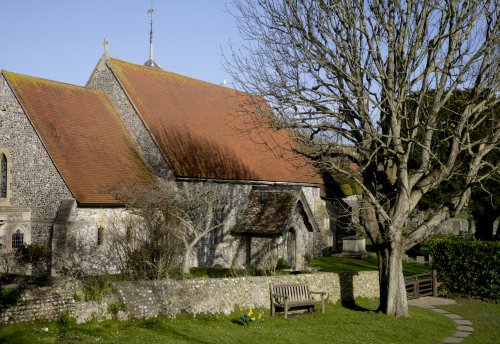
x=288, y=296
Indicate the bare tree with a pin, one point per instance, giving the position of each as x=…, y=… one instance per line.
x=366, y=80
x=167, y=222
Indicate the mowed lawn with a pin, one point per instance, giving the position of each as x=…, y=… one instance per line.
x=370, y=263
x=484, y=316
x=337, y=325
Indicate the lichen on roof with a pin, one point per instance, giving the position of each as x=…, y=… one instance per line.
x=267, y=212
x=84, y=136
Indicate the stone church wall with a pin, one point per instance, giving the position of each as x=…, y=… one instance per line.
x=35, y=182
x=103, y=79
x=240, y=251
x=79, y=248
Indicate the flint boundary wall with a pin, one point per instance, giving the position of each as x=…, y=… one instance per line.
x=169, y=298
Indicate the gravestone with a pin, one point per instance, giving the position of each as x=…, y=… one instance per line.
x=354, y=245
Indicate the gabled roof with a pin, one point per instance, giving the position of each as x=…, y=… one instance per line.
x=200, y=132
x=84, y=136
x=267, y=213
x=270, y=212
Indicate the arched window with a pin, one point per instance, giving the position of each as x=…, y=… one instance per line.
x=3, y=176
x=100, y=236
x=291, y=245
x=17, y=239
x=129, y=235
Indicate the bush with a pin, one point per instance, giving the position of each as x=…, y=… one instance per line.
x=9, y=296
x=282, y=264
x=66, y=319
x=346, y=190
x=114, y=308
x=468, y=268
x=36, y=255
x=95, y=288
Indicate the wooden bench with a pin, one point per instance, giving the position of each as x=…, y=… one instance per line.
x=287, y=296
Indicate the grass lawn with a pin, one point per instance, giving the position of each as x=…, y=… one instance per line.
x=485, y=318
x=337, y=325
x=342, y=264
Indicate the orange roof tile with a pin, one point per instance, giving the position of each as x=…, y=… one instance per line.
x=84, y=135
x=199, y=130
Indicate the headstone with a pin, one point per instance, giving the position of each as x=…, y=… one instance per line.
x=354, y=244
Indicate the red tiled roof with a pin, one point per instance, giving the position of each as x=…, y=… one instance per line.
x=85, y=137
x=199, y=130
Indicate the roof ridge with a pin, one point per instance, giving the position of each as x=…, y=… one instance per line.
x=6, y=74
x=110, y=59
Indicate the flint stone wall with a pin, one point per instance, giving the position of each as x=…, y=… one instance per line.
x=146, y=299
x=35, y=182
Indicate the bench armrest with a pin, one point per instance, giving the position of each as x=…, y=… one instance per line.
x=321, y=293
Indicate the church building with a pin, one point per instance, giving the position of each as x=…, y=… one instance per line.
x=64, y=148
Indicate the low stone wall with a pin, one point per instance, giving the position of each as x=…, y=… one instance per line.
x=145, y=299
x=44, y=303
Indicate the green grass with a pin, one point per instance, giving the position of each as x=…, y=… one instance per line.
x=484, y=316
x=343, y=264
x=337, y=325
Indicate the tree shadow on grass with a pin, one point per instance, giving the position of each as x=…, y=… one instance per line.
x=347, y=292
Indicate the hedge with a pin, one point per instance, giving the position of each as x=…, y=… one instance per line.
x=467, y=268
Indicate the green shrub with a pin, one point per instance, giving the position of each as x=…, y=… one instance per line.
x=9, y=296
x=357, y=189
x=36, y=255
x=468, y=268
x=114, y=308
x=346, y=189
x=66, y=319
x=282, y=264
x=96, y=288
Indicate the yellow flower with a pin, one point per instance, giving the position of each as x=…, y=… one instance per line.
x=253, y=319
x=250, y=312
x=241, y=309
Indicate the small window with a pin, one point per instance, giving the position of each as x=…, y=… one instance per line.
x=100, y=236
x=129, y=234
x=17, y=239
x=3, y=176
x=218, y=235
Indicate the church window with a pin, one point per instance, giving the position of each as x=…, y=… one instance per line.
x=218, y=235
x=17, y=239
x=3, y=176
x=129, y=234
x=100, y=236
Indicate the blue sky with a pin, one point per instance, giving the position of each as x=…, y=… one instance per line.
x=62, y=39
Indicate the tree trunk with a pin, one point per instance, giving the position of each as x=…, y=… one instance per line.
x=393, y=298
x=185, y=262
